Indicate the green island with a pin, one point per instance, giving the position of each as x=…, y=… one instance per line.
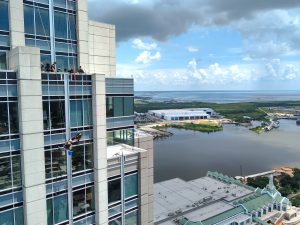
x=208, y=127
x=287, y=185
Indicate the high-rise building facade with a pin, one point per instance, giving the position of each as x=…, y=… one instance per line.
x=40, y=110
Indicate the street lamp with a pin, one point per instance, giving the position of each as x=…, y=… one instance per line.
x=68, y=147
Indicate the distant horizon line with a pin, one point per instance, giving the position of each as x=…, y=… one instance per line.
x=217, y=91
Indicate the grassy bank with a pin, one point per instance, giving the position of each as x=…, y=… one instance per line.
x=208, y=128
x=258, y=129
x=242, y=112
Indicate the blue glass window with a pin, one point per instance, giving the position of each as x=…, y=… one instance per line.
x=29, y=19
x=19, y=216
x=49, y=212
x=118, y=106
x=131, y=185
x=60, y=3
x=45, y=59
x=72, y=27
x=60, y=208
x=4, y=25
x=81, y=113
x=65, y=62
x=42, y=21
x=60, y=24
x=7, y=217
x=128, y=106
x=4, y=40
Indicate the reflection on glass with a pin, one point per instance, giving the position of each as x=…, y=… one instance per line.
x=53, y=114
x=48, y=166
x=90, y=199
x=14, y=118
x=87, y=106
x=117, y=221
x=60, y=24
x=49, y=212
x=29, y=19
x=76, y=113
x=131, y=185
x=16, y=167
x=114, y=191
x=5, y=173
x=59, y=164
x=79, y=204
x=109, y=107
x=57, y=113
x=131, y=218
x=118, y=106
x=120, y=136
x=19, y=216
x=3, y=64
x=7, y=217
x=4, y=25
x=42, y=21
x=89, y=156
x=78, y=158
x=4, y=128
x=81, y=113
x=60, y=208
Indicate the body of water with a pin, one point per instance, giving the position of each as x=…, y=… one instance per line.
x=219, y=96
x=189, y=154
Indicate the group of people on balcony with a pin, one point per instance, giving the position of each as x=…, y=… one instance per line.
x=52, y=68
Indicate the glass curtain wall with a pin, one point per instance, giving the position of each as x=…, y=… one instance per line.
x=4, y=34
x=80, y=106
x=130, y=199
x=123, y=136
x=11, y=202
x=119, y=106
x=38, y=32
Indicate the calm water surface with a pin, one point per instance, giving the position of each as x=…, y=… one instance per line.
x=190, y=154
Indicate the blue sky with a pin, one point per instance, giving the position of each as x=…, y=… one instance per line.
x=206, y=44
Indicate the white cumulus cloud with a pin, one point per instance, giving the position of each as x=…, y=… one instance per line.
x=139, y=44
x=192, y=49
x=146, y=57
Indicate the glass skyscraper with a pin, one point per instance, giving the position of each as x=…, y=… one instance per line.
x=40, y=110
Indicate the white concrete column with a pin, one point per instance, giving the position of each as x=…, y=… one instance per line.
x=102, y=56
x=145, y=141
x=26, y=61
x=16, y=22
x=100, y=148
x=83, y=35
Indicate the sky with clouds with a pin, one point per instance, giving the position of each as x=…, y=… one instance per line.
x=205, y=44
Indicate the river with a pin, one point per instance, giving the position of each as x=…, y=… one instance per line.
x=190, y=154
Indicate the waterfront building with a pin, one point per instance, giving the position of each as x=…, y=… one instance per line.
x=183, y=114
x=40, y=110
x=220, y=199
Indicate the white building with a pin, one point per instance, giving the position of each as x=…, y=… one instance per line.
x=183, y=114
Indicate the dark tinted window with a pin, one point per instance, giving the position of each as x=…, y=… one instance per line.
x=4, y=127
x=114, y=191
